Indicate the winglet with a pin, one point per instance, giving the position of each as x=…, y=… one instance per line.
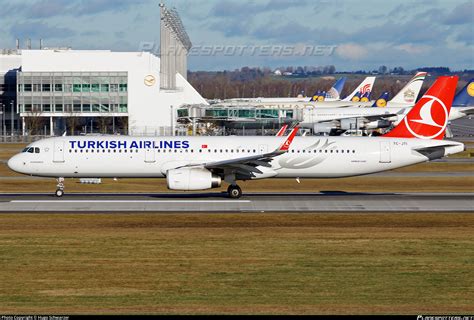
x=286, y=145
x=282, y=131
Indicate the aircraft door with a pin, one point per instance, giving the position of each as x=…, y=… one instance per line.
x=150, y=155
x=385, y=152
x=58, y=154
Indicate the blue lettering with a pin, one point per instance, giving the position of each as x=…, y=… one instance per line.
x=72, y=144
x=134, y=145
x=113, y=144
x=122, y=144
x=147, y=144
x=167, y=144
x=185, y=144
x=81, y=144
x=100, y=144
x=177, y=144
x=90, y=144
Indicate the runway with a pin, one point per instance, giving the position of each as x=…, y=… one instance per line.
x=250, y=202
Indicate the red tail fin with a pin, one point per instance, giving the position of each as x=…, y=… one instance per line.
x=429, y=117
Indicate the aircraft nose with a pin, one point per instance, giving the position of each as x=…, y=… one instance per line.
x=15, y=164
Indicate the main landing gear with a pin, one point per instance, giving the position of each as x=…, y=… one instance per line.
x=234, y=191
x=60, y=187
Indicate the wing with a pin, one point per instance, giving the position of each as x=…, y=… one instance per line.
x=248, y=165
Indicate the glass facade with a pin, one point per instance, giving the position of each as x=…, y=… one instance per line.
x=72, y=92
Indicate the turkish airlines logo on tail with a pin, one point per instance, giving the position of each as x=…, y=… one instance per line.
x=432, y=119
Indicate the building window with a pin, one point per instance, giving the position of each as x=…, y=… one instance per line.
x=114, y=87
x=27, y=87
x=123, y=108
x=77, y=108
x=58, y=87
x=95, y=87
x=104, y=88
x=46, y=108
x=123, y=87
x=86, y=108
x=58, y=108
x=46, y=87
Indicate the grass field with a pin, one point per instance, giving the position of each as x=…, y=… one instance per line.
x=242, y=263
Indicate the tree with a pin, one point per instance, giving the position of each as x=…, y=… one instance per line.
x=383, y=69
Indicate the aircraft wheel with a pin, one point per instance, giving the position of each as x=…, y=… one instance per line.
x=59, y=193
x=234, y=192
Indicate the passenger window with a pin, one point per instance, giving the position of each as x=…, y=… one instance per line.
x=37, y=150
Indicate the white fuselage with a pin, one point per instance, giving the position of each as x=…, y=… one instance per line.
x=311, y=157
x=314, y=115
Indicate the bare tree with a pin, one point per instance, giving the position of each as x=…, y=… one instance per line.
x=72, y=120
x=34, y=122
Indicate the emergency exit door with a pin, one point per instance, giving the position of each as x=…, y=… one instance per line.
x=150, y=155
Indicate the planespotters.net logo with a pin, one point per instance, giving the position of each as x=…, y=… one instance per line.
x=432, y=121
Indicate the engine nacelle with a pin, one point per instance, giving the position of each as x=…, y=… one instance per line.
x=351, y=124
x=379, y=124
x=191, y=179
x=324, y=127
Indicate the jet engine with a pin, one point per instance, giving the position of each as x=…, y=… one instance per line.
x=379, y=124
x=190, y=179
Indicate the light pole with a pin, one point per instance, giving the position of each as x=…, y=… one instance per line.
x=11, y=112
x=4, y=125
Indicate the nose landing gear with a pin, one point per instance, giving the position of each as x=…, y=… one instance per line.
x=60, y=187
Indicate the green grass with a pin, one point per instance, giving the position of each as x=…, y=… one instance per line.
x=242, y=263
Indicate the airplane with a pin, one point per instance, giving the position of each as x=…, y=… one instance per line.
x=463, y=102
x=357, y=99
x=329, y=119
x=201, y=163
x=332, y=95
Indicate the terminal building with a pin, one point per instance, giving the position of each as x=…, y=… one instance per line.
x=57, y=91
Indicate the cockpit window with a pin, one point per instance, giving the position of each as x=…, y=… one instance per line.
x=26, y=149
x=31, y=150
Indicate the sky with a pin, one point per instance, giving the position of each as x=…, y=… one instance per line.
x=352, y=35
